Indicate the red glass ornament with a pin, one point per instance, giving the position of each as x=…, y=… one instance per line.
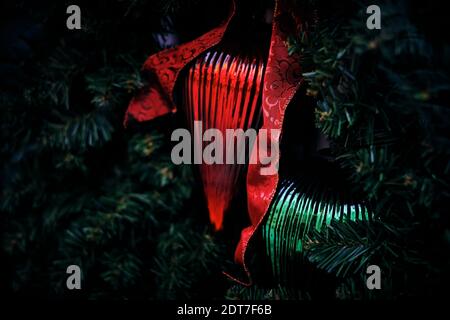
x=223, y=92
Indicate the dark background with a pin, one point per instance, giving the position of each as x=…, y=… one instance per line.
x=77, y=188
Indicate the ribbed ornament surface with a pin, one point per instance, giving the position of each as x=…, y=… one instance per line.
x=300, y=208
x=223, y=92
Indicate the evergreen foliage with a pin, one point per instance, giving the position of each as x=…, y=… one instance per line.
x=77, y=188
x=382, y=97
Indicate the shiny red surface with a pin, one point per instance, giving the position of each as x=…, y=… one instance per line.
x=222, y=91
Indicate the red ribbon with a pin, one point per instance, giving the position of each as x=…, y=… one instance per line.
x=281, y=81
x=163, y=69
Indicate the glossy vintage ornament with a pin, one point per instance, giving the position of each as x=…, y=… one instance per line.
x=223, y=91
x=282, y=79
x=300, y=207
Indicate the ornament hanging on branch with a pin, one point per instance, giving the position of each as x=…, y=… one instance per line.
x=222, y=92
x=301, y=207
x=276, y=78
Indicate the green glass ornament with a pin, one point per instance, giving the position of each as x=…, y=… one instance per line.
x=302, y=206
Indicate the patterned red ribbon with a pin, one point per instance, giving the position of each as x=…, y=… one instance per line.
x=281, y=81
x=163, y=69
